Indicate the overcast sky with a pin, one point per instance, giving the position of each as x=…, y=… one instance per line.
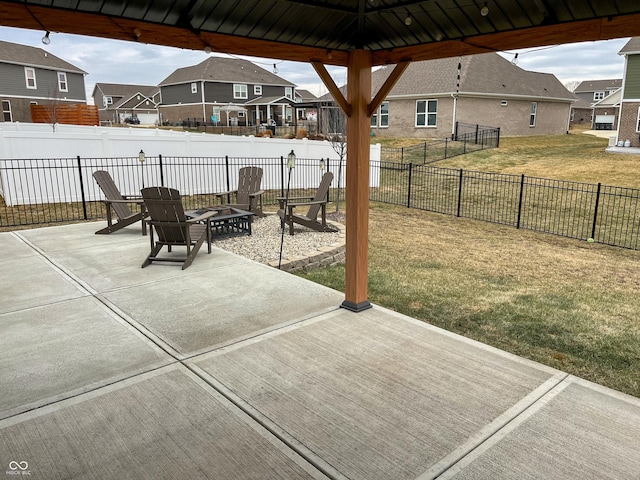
x=114, y=61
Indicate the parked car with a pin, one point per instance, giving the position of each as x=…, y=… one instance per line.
x=132, y=120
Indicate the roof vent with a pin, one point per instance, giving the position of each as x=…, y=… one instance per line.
x=504, y=103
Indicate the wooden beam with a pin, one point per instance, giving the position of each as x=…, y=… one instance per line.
x=332, y=87
x=387, y=86
x=357, y=195
x=569, y=32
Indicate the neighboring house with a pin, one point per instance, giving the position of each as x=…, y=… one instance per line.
x=32, y=75
x=227, y=91
x=629, y=126
x=606, y=112
x=581, y=114
x=592, y=91
x=305, y=108
x=117, y=102
x=429, y=99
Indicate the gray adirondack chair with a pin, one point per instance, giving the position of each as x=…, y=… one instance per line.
x=117, y=203
x=172, y=228
x=317, y=204
x=248, y=195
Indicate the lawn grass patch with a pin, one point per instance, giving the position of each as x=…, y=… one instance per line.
x=568, y=304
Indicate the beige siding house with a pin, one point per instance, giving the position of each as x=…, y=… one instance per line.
x=629, y=126
x=486, y=89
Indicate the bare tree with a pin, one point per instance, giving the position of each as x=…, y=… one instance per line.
x=336, y=132
x=572, y=85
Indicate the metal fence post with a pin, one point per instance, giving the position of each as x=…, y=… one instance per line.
x=281, y=176
x=460, y=192
x=455, y=134
x=409, y=186
x=161, y=171
x=477, y=126
x=425, y=153
x=445, y=147
x=595, y=212
x=520, y=201
x=402, y=155
x=498, y=137
x=226, y=166
x=84, y=201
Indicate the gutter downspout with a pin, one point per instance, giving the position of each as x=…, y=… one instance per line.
x=204, y=110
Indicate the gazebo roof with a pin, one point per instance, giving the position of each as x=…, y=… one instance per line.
x=326, y=30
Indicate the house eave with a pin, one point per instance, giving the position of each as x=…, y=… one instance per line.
x=481, y=95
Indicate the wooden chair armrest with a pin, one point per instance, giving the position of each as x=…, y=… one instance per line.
x=133, y=197
x=222, y=194
x=302, y=204
x=295, y=198
x=256, y=194
x=123, y=201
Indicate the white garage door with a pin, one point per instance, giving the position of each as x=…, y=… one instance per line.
x=605, y=118
x=148, y=118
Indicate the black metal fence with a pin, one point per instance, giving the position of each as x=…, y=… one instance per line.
x=44, y=191
x=606, y=214
x=466, y=139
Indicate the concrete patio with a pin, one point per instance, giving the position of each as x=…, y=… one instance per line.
x=233, y=369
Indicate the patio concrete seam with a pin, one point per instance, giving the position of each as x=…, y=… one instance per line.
x=272, y=427
x=80, y=285
x=493, y=433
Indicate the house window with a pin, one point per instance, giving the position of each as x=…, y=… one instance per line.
x=257, y=89
x=573, y=114
x=6, y=111
x=638, y=124
x=30, y=76
x=289, y=114
x=426, y=113
x=239, y=90
x=381, y=117
x=288, y=92
x=240, y=113
x=62, y=82
x=194, y=87
x=598, y=96
x=504, y=103
x=532, y=116
x=108, y=101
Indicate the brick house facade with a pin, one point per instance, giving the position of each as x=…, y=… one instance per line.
x=629, y=125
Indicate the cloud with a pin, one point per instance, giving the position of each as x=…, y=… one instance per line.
x=114, y=61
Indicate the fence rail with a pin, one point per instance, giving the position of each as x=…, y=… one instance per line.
x=466, y=139
x=606, y=214
x=62, y=190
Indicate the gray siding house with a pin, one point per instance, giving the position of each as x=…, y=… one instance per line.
x=30, y=75
x=592, y=93
x=629, y=125
x=429, y=99
x=117, y=103
x=227, y=91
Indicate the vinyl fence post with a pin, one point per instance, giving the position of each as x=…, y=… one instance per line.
x=409, y=186
x=520, y=201
x=84, y=201
x=161, y=171
x=460, y=192
x=595, y=212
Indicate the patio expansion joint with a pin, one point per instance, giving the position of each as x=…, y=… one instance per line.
x=80, y=285
x=498, y=429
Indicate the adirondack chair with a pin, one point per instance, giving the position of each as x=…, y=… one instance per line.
x=117, y=203
x=248, y=196
x=172, y=227
x=316, y=204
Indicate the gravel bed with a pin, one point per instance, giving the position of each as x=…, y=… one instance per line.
x=264, y=243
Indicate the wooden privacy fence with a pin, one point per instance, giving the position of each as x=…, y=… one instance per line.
x=75, y=114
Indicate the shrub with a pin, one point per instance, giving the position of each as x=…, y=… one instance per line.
x=302, y=133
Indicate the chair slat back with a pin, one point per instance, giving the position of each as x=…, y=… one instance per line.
x=167, y=214
x=321, y=194
x=111, y=192
x=249, y=181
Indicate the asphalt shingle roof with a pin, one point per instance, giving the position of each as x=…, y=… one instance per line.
x=480, y=74
x=34, y=57
x=632, y=47
x=598, y=85
x=229, y=70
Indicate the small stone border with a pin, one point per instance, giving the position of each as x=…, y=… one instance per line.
x=326, y=256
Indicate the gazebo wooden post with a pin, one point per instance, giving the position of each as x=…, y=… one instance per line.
x=357, y=182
